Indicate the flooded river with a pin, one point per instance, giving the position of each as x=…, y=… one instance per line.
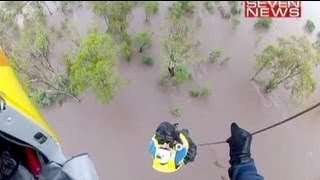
x=117, y=135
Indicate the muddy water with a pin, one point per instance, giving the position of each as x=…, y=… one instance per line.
x=117, y=135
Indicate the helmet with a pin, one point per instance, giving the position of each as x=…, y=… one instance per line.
x=163, y=155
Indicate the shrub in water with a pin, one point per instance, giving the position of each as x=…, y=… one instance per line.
x=310, y=26
x=209, y=6
x=206, y=91
x=182, y=75
x=263, y=23
x=203, y=92
x=147, y=60
x=194, y=93
x=176, y=111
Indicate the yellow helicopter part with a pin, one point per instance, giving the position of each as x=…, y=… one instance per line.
x=15, y=96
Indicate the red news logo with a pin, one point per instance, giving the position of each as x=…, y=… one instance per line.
x=273, y=9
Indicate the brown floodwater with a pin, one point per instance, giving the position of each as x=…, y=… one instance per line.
x=117, y=135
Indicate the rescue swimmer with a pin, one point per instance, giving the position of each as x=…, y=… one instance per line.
x=171, y=148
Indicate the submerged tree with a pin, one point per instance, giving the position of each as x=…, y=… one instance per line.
x=204, y=91
x=151, y=8
x=224, y=14
x=291, y=61
x=181, y=8
x=179, y=45
x=310, y=26
x=236, y=20
x=176, y=111
x=143, y=40
x=127, y=50
x=66, y=6
x=148, y=60
x=29, y=49
x=96, y=67
x=209, y=6
x=114, y=13
x=215, y=55
x=263, y=23
x=101, y=8
x=235, y=7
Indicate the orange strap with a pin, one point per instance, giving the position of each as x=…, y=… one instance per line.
x=3, y=60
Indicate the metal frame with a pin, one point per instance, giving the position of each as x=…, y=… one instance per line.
x=24, y=129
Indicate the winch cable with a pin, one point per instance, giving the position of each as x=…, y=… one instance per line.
x=269, y=127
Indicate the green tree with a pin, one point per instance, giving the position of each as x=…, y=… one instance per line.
x=96, y=67
x=236, y=20
x=148, y=60
x=101, y=9
x=181, y=8
x=263, y=23
x=29, y=50
x=143, y=40
x=127, y=49
x=8, y=26
x=235, y=7
x=188, y=6
x=182, y=74
x=264, y=60
x=115, y=14
x=179, y=45
x=176, y=10
x=291, y=61
x=224, y=14
x=310, y=26
x=151, y=8
x=209, y=6
x=66, y=6
x=205, y=91
x=176, y=111
x=215, y=55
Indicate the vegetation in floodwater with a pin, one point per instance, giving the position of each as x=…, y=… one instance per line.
x=235, y=7
x=179, y=46
x=215, y=55
x=176, y=111
x=147, y=60
x=164, y=80
x=127, y=49
x=290, y=61
x=181, y=8
x=115, y=14
x=201, y=92
x=91, y=62
x=182, y=75
x=143, y=40
x=151, y=8
x=96, y=67
x=263, y=23
x=223, y=12
x=310, y=26
x=29, y=49
x=209, y=6
x=236, y=20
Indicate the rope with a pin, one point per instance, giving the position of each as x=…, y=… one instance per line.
x=271, y=126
